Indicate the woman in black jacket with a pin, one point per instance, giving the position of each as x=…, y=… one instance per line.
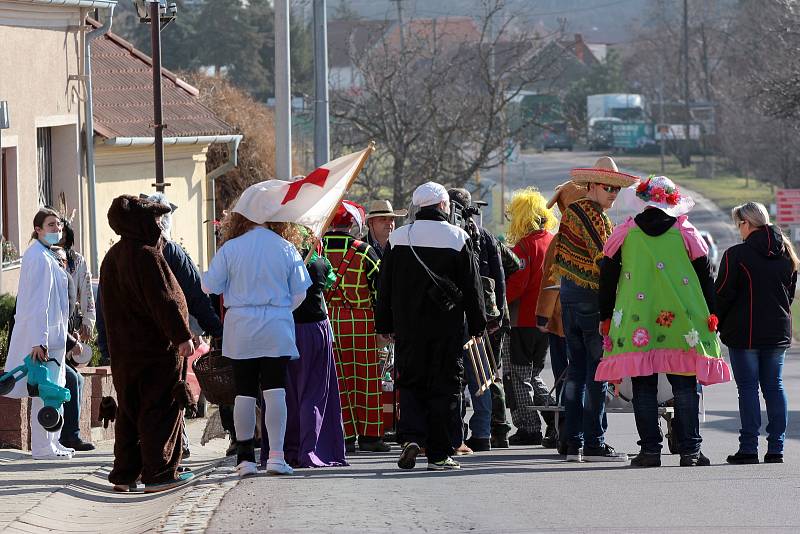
x=755, y=288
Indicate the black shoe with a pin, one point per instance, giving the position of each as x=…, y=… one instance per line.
x=694, y=460
x=741, y=458
x=350, y=445
x=479, y=444
x=550, y=439
x=408, y=458
x=646, y=460
x=574, y=454
x=245, y=451
x=523, y=437
x=232, y=447
x=562, y=449
x=499, y=441
x=377, y=445
x=605, y=453
x=77, y=444
x=773, y=458
x=186, y=453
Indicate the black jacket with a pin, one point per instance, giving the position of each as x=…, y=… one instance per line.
x=755, y=288
x=489, y=265
x=653, y=222
x=312, y=309
x=406, y=308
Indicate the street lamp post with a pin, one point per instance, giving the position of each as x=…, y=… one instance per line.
x=151, y=11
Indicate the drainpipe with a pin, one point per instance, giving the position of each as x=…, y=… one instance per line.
x=89, y=113
x=233, y=161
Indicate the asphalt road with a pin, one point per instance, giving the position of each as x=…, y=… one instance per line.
x=529, y=489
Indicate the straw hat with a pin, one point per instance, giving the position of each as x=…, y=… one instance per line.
x=383, y=208
x=604, y=172
x=662, y=193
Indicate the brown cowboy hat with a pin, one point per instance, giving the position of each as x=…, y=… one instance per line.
x=383, y=208
x=566, y=194
x=604, y=172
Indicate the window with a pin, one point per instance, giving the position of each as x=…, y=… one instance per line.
x=8, y=204
x=44, y=155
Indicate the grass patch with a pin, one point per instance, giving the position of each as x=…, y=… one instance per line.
x=726, y=190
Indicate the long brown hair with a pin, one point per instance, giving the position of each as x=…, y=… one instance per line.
x=235, y=224
x=40, y=217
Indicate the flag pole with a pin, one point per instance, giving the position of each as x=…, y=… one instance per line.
x=369, y=150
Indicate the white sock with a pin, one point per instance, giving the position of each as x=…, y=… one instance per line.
x=275, y=418
x=244, y=417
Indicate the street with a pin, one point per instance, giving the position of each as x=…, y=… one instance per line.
x=530, y=489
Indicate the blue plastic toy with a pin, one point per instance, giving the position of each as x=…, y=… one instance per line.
x=39, y=385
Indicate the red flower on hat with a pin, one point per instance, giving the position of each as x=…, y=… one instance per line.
x=643, y=186
x=657, y=194
x=673, y=198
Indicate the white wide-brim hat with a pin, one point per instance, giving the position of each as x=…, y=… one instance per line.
x=662, y=193
x=605, y=171
x=261, y=201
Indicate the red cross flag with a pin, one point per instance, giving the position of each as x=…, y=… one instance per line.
x=311, y=201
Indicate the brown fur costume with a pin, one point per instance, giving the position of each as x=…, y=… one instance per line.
x=146, y=319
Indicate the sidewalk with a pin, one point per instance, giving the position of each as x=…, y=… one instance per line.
x=75, y=495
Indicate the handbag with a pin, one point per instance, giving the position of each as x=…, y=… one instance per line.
x=444, y=292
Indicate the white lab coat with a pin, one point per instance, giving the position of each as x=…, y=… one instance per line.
x=41, y=319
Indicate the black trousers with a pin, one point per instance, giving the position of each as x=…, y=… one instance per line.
x=425, y=418
x=254, y=375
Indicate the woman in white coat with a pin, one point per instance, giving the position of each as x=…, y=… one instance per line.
x=40, y=327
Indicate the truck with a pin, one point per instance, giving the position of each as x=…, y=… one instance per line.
x=605, y=112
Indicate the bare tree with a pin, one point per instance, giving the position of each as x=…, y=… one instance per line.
x=438, y=98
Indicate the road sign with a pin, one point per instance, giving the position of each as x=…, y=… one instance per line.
x=787, y=206
x=631, y=134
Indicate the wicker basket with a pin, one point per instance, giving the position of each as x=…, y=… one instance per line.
x=215, y=374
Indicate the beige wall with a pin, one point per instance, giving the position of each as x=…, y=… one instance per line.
x=39, y=54
x=130, y=170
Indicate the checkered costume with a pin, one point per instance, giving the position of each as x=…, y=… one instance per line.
x=350, y=303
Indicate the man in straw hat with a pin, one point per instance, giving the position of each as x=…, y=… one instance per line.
x=584, y=229
x=429, y=282
x=381, y=222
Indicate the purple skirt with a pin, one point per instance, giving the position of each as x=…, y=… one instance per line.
x=314, y=431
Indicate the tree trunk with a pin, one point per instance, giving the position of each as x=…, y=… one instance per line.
x=398, y=183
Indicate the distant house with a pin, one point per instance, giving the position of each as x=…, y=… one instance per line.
x=123, y=116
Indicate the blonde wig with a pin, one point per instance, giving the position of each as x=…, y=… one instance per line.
x=528, y=212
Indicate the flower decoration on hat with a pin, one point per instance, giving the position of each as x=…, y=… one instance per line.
x=661, y=192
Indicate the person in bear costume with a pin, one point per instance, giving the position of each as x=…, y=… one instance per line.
x=148, y=340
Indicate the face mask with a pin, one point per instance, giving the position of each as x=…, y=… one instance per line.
x=52, y=238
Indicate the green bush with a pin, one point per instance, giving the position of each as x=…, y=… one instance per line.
x=6, y=315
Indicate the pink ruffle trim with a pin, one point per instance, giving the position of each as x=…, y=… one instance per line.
x=696, y=246
x=708, y=370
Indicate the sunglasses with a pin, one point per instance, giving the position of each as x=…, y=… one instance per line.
x=610, y=188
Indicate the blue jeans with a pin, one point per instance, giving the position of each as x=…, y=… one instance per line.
x=558, y=361
x=686, y=423
x=584, y=399
x=480, y=424
x=752, y=367
x=72, y=410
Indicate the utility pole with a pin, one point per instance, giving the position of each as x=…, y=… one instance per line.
x=321, y=117
x=400, y=23
x=687, y=160
x=283, y=95
x=158, y=120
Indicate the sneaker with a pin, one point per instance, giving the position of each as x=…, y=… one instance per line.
x=408, y=458
x=278, y=466
x=605, y=453
x=179, y=480
x=694, y=460
x=463, y=450
x=377, y=445
x=245, y=469
x=498, y=441
x=574, y=454
x=646, y=460
x=447, y=464
x=524, y=437
x=741, y=458
x=479, y=444
x=127, y=488
x=773, y=458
